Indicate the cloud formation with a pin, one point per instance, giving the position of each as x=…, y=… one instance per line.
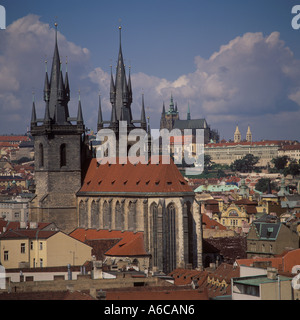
x=254, y=79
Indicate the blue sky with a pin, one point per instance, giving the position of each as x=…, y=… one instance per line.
x=234, y=62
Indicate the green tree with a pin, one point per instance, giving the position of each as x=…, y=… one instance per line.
x=293, y=168
x=246, y=164
x=264, y=184
x=280, y=162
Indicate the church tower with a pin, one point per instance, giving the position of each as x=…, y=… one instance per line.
x=60, y=150
x=168, y=118
x=121, y=98
x=249, y=135
x=237, y=135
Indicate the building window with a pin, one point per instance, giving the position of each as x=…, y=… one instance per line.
x=41, y=245
x=31, y=245
x=41, y=263
x=63, y=155
x=170, y=239
x=154, y=211
x=41, y=155
x=22, y=247
x=5, y=255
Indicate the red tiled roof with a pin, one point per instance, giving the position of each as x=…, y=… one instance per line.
x=130, y=244
x=291, y=147
x=13, y=138
x=284, y=262
x=211, y=224
x=245, y=143
x=27, y=234
x=150, y=178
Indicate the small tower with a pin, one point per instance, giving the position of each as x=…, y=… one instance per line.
x=168, y=118
x=237, y=135
x=188, y=113
x=249, y=135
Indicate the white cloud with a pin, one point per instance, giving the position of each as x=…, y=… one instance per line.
x=250, y=78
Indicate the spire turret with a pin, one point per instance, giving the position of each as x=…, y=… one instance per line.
x=67, y=86
x=188, y=113
x=33, y=114
x=100, y=118
x=79, y=113
x=143, y=114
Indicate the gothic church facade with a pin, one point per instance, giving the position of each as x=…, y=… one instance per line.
x=75, y=190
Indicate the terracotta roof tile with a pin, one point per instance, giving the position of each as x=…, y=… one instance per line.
x=129, y=244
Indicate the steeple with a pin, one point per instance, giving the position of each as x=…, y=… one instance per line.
x=46, y=86
x=100, y=118
x=33, y=114
x=121, y=96
x=171, y=104
x=58, y=90
x=143, y=114
x=188, y=113
x=164, y=109
x=112, y=88
x=79, y=113
x=67, y=86
x=249, y=135
x=237, y=135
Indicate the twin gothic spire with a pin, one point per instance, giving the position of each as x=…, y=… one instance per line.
x=57, y=97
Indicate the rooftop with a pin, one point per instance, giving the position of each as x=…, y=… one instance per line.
x=134, y=178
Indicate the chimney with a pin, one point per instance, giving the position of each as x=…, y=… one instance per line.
x=272, y=273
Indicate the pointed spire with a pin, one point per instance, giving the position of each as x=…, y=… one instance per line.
x=79, y=113
x=46, y=85
x=100, y=118
x=61, y=86
x=171, y=103
x=67, y=86
x=143, y=114
x=129, y=86
x=33, y=114
x=47, y=119
x=113, y=115
x=189, y=113
x=112, y=88
x=164, y=109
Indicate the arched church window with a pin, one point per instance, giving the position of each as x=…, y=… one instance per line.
x=119, y=216
x=106, y=216
x=132, y=216
x=95, y=214
x=154, y=214
x=83, y=218
x=170, y=239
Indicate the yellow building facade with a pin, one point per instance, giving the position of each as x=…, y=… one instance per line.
x=38, y=249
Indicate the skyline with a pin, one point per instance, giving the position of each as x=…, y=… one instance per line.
x=233, y=64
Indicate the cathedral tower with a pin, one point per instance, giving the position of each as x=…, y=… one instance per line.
x=237, y=135
x=121, y=98
x=249, y=135
x=60, y=150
